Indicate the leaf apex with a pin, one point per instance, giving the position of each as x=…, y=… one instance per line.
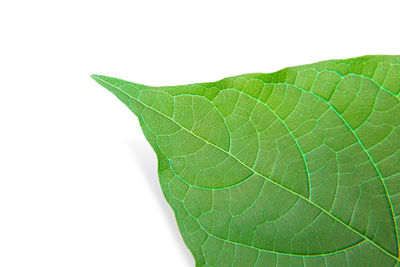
x=107, y=82
x=98, y=77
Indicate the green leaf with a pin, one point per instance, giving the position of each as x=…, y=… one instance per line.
x=300, y=167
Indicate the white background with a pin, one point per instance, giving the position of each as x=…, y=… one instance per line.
x=78, y=181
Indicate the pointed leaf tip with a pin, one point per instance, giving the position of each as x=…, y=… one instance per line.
x=98, y=77
x=94, y=76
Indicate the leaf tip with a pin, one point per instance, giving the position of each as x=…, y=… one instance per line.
x=104, y=81
x=96, y=77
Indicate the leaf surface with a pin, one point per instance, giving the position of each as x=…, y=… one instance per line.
x=300, y=167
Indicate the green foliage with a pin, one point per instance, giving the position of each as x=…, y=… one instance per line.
x=300, y=167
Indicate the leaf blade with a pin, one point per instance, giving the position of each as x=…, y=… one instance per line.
x=274, y=97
